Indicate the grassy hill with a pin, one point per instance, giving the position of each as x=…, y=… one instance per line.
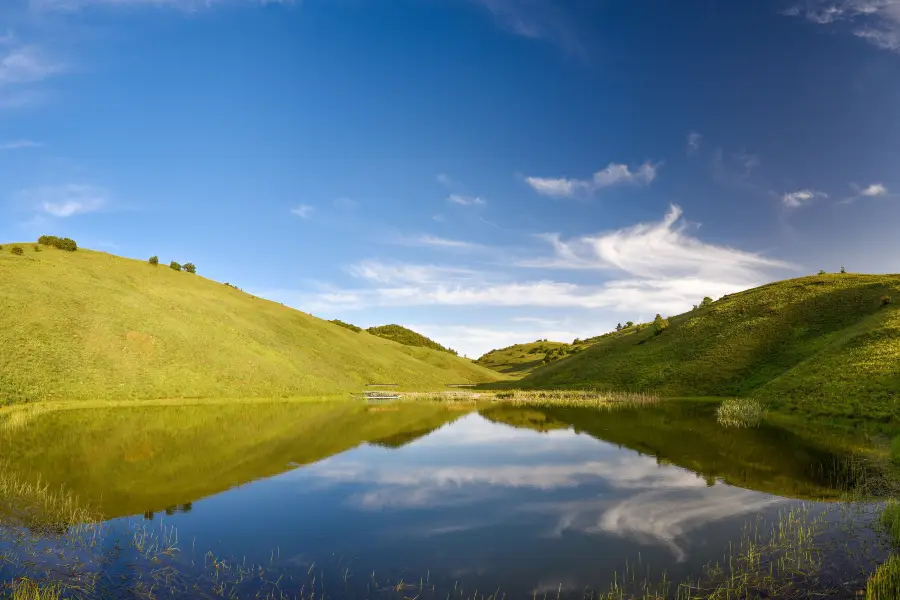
x=407, y=337
x=89, y=325
x=825, y=344
x=521, y=359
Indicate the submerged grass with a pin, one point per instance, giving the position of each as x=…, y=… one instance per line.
x=26, y=589
x=38, y=507
x=740, y=412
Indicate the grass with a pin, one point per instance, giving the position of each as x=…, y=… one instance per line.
x=26, y=589
x=521, y=359
x=575, y=398
x=407, y=337
x=87, y=325
x=821, y=345
x=890, y=521
x=36, y=506
x=740, y=412
x=884, y=584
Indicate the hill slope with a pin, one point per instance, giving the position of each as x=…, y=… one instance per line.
x=823, y=344
x=89, y=325
x=407, y=337
x=521, y=359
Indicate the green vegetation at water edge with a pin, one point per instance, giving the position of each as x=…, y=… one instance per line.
x=92, y=326
x=826, y=345
x=884, y=583
x=407, y=337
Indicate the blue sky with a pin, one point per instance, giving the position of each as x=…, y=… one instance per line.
x=484, y=171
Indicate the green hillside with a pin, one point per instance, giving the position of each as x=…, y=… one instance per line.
x=521, y=359
x=826, y=344
x=407, y=337
x=89, y=325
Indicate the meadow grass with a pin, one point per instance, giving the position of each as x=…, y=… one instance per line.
x=34, y=504
x=87, y=325
x=519, y=360
x=740, y=412
x=890, y=521
x=821, y=345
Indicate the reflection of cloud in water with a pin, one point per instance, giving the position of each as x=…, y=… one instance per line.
x=632, y=495
x=659, y=515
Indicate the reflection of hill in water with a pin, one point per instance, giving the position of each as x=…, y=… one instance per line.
x=769, y=459
x=135, y=460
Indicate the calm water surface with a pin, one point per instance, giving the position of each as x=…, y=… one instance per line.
x=525, y=500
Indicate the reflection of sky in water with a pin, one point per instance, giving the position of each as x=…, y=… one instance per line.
x=479, y=500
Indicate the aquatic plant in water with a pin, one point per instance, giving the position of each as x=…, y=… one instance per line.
x=740, y=412
x=884, y=584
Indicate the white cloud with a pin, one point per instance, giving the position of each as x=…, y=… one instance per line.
x=875, y=189
x=439, y=218
x=693, y=141
x=613, y=174
x=26, y=64
x=19, y=145
x=443, y=179
x=64, y=200
x=304, y=211
x=537, y=21
x=465, y=200
x=801, y=198
x=438, y=242
x=876, y=21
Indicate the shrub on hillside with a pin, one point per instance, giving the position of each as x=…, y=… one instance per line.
x=174, y=266
x=189, y=267
x=349, y=326
x=660, y=324
x=885, y=300
x=629, y=324
x=843, y=270
x=822, y=272
x=17, y=251
x=37, y=248
x=154, y=260
x=67, y=244
x=707, y=301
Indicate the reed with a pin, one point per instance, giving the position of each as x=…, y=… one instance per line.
x=884, y=583
x=576, y=398
x=38, y=507
x=740, y=412
x=27, y=589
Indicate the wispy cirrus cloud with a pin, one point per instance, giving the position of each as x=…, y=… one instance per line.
x=873, y=190
x=63, y=201
x=546, y=20
x=304, y=211
x=876, y=21
x=801, y=198
x=693, y=141
x=612, y=174
x=19, y=145
x=653, y=267
x=434, y=241
x=463, y=200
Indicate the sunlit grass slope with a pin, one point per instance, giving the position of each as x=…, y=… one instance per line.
x=136, y=458
x=519, y=359
x=826, y=344
x=88, y=325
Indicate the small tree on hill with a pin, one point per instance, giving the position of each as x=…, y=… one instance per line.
x=154, y=260
x=843, y=270
x=629, y=324
x=707, y=301
x=660, y=324
x=174, y=266
x=619, y=327
x=17, y=251
x=822, y=272
x=189, y=267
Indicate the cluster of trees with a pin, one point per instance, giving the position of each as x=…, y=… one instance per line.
x=407, y=337
x=660, y=324
x=175, y=266
x=349, y=326
x=628, y=324
x=67, y=244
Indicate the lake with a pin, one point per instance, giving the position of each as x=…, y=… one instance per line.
x=354, y=500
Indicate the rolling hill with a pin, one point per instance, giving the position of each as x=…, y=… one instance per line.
x=521, y=359
x=89, y=325
x=407, y=337
x=825, y=344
